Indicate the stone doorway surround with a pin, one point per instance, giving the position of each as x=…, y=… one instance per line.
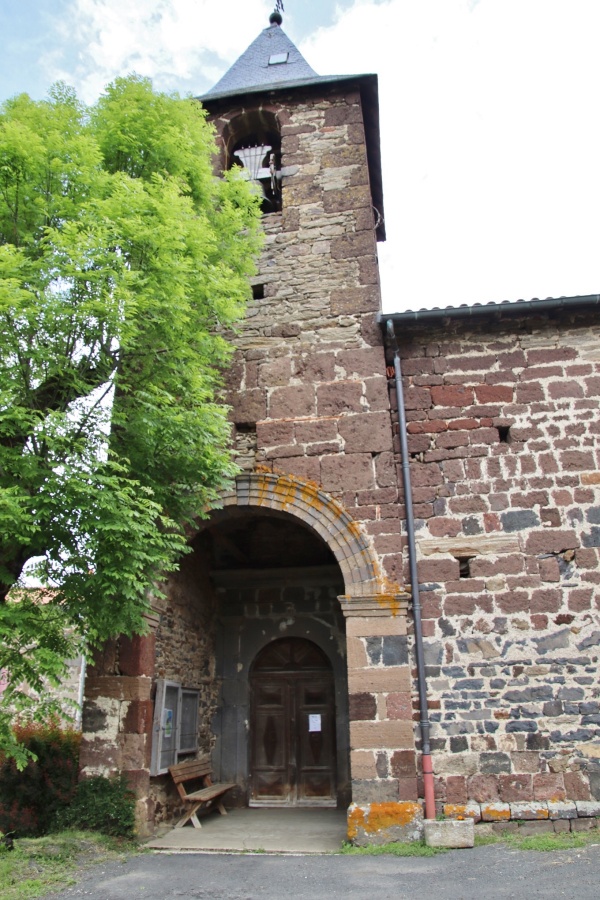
x=382, y=749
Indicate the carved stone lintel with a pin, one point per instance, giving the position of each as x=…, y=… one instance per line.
x=375, y=605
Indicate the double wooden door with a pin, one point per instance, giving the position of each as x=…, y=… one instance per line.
x=292, y=726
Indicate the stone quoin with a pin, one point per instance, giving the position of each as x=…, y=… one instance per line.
x=284, y=648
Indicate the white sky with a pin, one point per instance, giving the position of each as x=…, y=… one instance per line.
x=489, y=117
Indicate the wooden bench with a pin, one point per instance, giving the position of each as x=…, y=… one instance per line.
x=197, y=770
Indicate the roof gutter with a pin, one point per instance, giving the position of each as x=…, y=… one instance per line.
x=480, y=310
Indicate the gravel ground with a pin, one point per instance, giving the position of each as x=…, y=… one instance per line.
x=485, y=873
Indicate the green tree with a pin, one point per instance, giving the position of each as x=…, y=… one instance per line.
x=122, y=261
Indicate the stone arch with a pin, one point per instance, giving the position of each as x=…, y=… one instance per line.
x=259, y=125
x=328, y=518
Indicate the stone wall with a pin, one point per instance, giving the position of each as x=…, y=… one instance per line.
x=185, y=654
x=503, y=438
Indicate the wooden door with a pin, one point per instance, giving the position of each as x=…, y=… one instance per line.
x=292, y=726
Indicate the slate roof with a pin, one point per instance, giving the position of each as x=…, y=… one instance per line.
x=252, y=74
x=252, y=71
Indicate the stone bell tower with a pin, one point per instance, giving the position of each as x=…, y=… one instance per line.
x=308, y=388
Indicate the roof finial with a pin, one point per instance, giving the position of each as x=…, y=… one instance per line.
x=276, y=18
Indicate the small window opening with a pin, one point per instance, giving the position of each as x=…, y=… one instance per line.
x=258, y=292
x=464, y=566
x=276, y=59
x=504, y=434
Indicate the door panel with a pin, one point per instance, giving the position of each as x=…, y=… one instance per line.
x=271, y=761
x=292, y=726
x=316, y=750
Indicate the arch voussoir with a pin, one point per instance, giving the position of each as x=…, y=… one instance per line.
x=324, y=514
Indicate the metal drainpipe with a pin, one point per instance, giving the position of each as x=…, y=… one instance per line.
x=414, y=581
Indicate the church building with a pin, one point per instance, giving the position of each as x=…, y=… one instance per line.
x=297, y=646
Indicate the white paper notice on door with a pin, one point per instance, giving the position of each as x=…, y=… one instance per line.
x=314, y=722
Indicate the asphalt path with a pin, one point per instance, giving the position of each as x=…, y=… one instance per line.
x=485, y=873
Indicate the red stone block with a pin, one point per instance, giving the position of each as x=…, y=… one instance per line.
x=426, y=475
x=586, y=558
x=487, y=393
x=363, y=707
x=430, y=605
x=515, y=788
x=250, y=406
x=460, y=605
x=314, y=366
x=559, y=390
x=451, y=439
x=456, y=789
x=408, y=789
x=549, y=787
x=440, y=526
x=539, y=622
x=430, y=426
x=306, y=468
x=513, y=601
x=403, y=764
x=273, y=434
x=577, y=786
x=339, y=397
x=577, y=460
x=306, y=431
x=540, y=373
x=550, y=355
x=367, y=431
x=417, y=398
x=138, y=781
x=289, y=450
x=482, y=788
x=137, y=654
x=452, y=395
x=548, y=600
x=551, y=541
x=376, y=393
x=399, y=706
x=291, y=402
x=464, y=424
x=491, y=522
x=529, y=393
x=549, y=570
x=354, y=471
x=438, y=570
x=349, y=246
x=580, y=599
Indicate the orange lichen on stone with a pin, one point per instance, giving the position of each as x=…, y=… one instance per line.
x=309, y=495
x=493, y=814
x=263, y=491
x=458, y=811
x=354, y=529
x=380, y=817
x=285, y=491
x=356, y=820
x=389, y=601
